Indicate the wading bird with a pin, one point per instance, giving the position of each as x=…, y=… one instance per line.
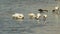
x=44, y=18
x=55, y=10
x=18, y=16
x=31, y=15
x=38, y=16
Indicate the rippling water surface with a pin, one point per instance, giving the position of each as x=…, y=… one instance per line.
x=27, y=26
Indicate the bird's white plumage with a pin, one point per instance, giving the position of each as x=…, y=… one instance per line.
x=32, y=15
x=45, y=15
x=56, y=7
x=38, y=15
x=20, y=16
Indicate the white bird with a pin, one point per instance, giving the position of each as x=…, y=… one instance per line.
x=56, y=8
x=18, y=16
x=31, y=15
x=38, y=16
x=44, y=18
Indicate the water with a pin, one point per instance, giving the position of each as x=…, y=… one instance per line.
x=27, y=26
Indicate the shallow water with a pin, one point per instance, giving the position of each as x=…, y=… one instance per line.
x=27, y=26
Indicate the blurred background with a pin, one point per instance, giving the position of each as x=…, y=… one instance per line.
x=27, y=26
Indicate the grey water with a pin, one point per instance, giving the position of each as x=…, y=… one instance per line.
x=28, y=26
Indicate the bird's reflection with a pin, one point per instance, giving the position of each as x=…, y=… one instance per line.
x=38, y=21
x=19, y=20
